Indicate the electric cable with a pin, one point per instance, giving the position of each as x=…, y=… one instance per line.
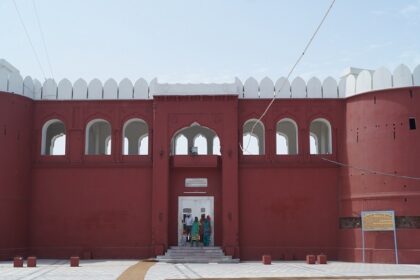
x=290, y=73
x=374, y=172
x=29, y=40
x=43, y=38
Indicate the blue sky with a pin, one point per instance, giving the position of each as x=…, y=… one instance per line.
x=209, y=41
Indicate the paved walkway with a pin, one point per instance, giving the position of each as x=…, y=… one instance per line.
x=162, y=271
x=61, y=270
x=111, y=269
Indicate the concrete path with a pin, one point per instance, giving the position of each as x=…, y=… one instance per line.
x=162, y=271
x=112, y=269
x=61, y=270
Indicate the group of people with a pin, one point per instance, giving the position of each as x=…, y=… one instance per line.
x=195, y=232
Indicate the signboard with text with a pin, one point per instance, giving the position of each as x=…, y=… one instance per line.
x=378, y=220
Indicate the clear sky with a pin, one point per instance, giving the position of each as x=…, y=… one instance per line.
x=208, y=41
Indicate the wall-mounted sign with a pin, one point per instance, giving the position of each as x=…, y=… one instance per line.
x=378, y=220
x=196, y=182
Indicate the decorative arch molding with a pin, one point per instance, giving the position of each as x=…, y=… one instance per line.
x=96, y=134
x=135, y=130
x=253, y=128
x=51, y=130
x=191, y=132
x=322, y=130
x=290, y=130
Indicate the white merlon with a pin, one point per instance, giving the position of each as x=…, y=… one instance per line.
x=354, y=81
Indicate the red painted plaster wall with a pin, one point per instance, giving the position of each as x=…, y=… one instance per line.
x=377, y=137
x=15, y=173
x=288, y=203
x=95, y=206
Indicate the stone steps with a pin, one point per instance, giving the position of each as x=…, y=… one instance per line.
x=177, y=254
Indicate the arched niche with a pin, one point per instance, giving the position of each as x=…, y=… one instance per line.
x=194, y=140
x=53, y=142
x=98, y=137
x=135, y=137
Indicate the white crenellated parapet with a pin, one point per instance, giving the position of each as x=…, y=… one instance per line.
x=382, y=79
x=266, y=88
x=282, y=88
x=364, y=81
x=125, y=89
x=416, y=76
x=314, y=88
x=298, y=88
x=110, y=89
x=330, y=88
x=65, y=90
x=355, y=81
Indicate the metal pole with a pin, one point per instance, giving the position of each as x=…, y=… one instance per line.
x=395, y=244
x=363, y=245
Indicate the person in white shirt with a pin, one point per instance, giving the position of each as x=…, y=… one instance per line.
x=189, y=222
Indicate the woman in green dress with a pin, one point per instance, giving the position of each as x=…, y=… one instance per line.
x=195, y=232
x=206, y=231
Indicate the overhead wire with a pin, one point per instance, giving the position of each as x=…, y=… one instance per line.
x=374, y=172
x=43, y=38
x=245, y=149
x=29, y=39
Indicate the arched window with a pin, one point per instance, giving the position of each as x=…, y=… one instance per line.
x=286, y=137
x=181, y=145
x=216, y=146
x=320, y=131
x=98, y=138
x=135, y=135
x=53, y=138
x=253, y=138
x=282, y=145
x=186, y=140
x=200, y=142
x=313, y=144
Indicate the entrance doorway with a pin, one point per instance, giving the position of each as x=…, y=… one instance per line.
x=195, y=205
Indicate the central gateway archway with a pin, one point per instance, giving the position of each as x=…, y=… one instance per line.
x=195, y=206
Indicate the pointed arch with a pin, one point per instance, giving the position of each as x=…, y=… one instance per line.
x=320, y=129
x=136, y=131
x=53, y=141
x=253, y=137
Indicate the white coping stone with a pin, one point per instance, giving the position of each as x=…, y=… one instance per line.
x=141, y=88
x=28, y=87
x=282, y=88
x=266, y=88
x=314, y=88
x=350, y=86
x=342, y=88
x=329, y=88
x=192, y=89
x=4, y=79
x=364, y=82
x=64, y=90
x=402, y=77
x=37, y=90
x=95, y=90
x=239, y=87
x=251, y=88
x=110, y=89
x=80, y=88
x=49, y=90
x=125, y=89
x=16, y=83
x=416, y=76
x=382, y=78
x=298, y=88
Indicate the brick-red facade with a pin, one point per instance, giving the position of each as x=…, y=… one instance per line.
x=120, y=206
